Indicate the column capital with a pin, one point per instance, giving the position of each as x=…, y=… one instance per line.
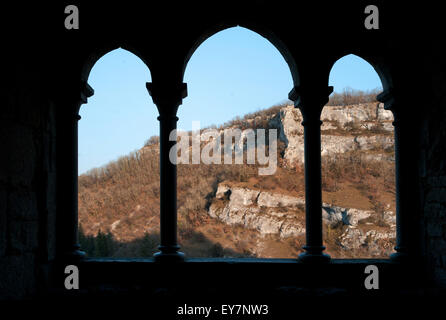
x=302, y=95
x=74, y=95
x=167, y=94
x=387, y=97
x=393, y=101
x=310, y=100
x=86, y=91
x=392, y=98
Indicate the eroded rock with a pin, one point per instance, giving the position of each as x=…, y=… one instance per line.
x=275, y=213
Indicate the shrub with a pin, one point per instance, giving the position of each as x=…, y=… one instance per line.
x=103, y=244
x=152, y=140
x=148, y=245
x=216, y=251
x=351, y=96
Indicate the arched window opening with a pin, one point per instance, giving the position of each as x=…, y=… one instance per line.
x=238, y=83
x=358, y=165
x=118, y=163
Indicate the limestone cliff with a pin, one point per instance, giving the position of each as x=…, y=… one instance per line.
x=274, y=213
x=363, y=127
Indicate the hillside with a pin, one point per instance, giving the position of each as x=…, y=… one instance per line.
x=231, y=210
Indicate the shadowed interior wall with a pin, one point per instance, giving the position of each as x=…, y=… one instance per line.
x=433, y=173
x=27, y=184
x=44, y=60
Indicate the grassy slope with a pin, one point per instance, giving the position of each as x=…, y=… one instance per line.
x=120, y=201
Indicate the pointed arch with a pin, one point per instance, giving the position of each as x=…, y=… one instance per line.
x=377, y=64
x=269, y=35
x=96, y=54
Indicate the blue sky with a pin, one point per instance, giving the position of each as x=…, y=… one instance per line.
x=232, y=73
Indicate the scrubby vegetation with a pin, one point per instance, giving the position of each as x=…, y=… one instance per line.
x=351, y=96
x=119, y=202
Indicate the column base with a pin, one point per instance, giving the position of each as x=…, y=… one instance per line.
x=400, y=257
x=169, y=256
x=73, y=256
x=314, y=255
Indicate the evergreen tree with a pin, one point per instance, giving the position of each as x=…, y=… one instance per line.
x=148, y=245
x=103, y=244
x=87, y=243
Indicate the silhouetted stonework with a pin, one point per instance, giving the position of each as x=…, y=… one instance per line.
x=27, y=185
x=435, y=179
x=47, y=68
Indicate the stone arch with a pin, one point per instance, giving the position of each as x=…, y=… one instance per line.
x=140, y=119
x=268, y=34
x=119, y=68
x=378, y=64
x=94, y=55
x=250, y=51
x=377, y=130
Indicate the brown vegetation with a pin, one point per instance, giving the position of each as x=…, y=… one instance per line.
x=351, y=97
x=119, y=203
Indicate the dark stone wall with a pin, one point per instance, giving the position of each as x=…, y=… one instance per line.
x=27, y=189
x=47, y=62
x=434, y=171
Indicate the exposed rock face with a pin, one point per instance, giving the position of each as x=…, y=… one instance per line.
x=333, y=215
x=363, y=127
x=274, y=213
x=372, y=119
x=375, y=242
x=271, y=200
x=369, y=112
x=262, y=211
x=243, y=196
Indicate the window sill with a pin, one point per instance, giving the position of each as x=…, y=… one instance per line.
x=223, y=272
x=214, y=279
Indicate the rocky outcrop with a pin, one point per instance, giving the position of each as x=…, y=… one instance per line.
x=271, y=200
x=363, y=127
x=376, y=243
x=334, y=215
x=262, y=211
x=274, y=213
x=336, y=131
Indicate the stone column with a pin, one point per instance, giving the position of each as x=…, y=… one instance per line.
x=167, y=99
x=67, y=170
x=406, y=177
x=311, y=102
